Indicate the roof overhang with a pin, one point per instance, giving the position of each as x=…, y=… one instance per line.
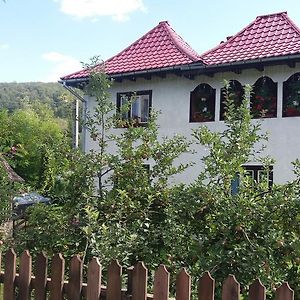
x=147, y=74
x=239, y=66
x=194, y=69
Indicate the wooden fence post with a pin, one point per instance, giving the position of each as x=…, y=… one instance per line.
x=10, y=275
x=284, y=292
x=231, y=289
x=114, y=284
x=257, y=291
x=75, y=281
x=57, y=277
x=94, y=280
x=41, y=270
x=24, y=276
x=183, y=285
x=139, y=282
x=206, y=287
x=161, y=284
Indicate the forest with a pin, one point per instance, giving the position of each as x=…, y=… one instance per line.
x=15, y=96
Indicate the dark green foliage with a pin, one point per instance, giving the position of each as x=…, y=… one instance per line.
x=25, y=137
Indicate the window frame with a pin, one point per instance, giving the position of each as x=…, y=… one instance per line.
x=258, y=105
x=256, y=170
x=210, y=99
x=231, y=89
x=129, y=118
x=288, y=110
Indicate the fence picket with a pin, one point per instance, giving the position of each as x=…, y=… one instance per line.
x=183, y=285
x=24, y=276
x=284, y=292
x=94, y=280
x=257, y=291
x=206, y=287
x=114, y=284
x=231, y=289
x=139, y=282
x=10, y=275
x=161, y=284
x=75, y=289
x=75, y=282
x=41, y=269
x=129, y=280
x=57, y=277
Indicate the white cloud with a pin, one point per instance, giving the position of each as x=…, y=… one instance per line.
x=62, y=65
x=4, y=46
x=119, y=10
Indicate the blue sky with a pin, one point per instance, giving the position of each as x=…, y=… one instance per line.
x=41, y=40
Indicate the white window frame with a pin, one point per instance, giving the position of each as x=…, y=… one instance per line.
x=139, y=108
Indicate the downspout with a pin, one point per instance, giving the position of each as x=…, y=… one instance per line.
x=76, y=117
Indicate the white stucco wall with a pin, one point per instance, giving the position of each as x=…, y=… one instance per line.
x=171, y=96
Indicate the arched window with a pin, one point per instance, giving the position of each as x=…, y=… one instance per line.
x=235, y=92
x=264, y=98
x=202, y=103
x=291, y=96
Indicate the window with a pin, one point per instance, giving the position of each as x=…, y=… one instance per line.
x=291, y=96
x=260, y=174
x=264, y=98
x=134, y=107
x=257, y=173
x=235, y=92
x=202, y=103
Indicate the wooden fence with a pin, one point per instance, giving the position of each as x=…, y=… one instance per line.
x=25, y=285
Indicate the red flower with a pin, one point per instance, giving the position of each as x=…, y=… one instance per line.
x=291, y=111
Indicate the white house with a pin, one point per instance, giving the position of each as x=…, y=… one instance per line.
x=168, y=75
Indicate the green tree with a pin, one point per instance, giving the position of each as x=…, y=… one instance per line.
x=119, y=213
x=252, y=233
x=25, y=134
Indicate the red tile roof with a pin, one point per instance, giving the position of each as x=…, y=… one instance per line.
x=273, y=35
x=161, y=47
x=268, y=36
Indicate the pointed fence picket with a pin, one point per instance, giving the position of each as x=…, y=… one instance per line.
x=41, y=272
x=10, y=275
x=206, y=287
x=161, y=284
x=19, y=286
x=257, y=291
x=75, y=281
x=114, y=281
x=57, y=277
x=93, y=280
x=139, y=282
x=183, y=285
x=25, y=276
x=231, y=289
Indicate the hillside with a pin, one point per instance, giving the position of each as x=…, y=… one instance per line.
x=17, y=95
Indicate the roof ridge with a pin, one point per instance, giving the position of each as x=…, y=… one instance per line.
x=172, y=34
x=272, y=14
